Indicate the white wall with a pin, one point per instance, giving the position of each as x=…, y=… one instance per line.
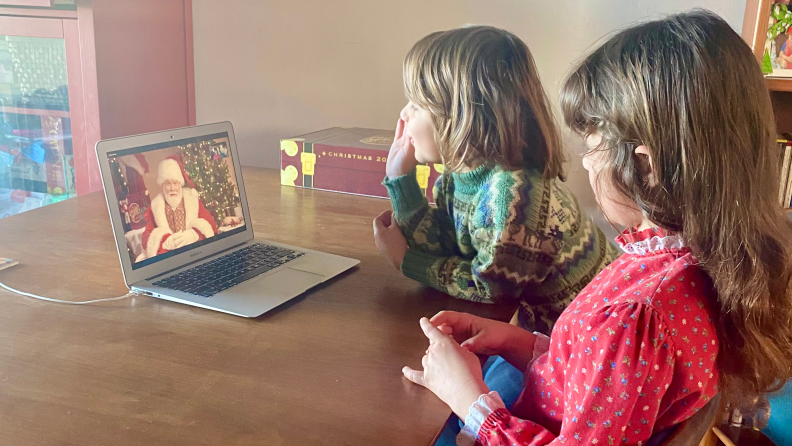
x=280, y=68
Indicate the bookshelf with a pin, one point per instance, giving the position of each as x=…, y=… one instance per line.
x=778, y=84
x=73, y=72
x=754, y=32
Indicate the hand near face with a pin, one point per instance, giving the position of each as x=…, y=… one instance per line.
x=401, y=158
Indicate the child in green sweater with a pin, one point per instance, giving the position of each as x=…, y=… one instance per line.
x=504, y=228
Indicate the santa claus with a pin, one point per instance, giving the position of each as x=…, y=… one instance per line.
x=176, y=216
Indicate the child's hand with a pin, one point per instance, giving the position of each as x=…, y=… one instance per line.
x=389, y=238
x=449, y=371
x=475, y=334
x=401, y=158
x=484, y=336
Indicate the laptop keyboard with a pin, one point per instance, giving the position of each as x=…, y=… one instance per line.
x=230, y=270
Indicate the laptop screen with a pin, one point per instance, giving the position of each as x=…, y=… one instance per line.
x=176, y=196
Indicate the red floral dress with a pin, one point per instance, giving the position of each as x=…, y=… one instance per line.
x=633, y=354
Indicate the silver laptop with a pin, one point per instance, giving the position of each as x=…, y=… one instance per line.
x=182, y=225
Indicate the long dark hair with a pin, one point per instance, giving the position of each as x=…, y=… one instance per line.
x=690, y=89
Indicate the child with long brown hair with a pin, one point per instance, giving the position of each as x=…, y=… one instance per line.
x=682, y=151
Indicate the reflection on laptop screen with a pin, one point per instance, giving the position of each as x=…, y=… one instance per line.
x=176, y=196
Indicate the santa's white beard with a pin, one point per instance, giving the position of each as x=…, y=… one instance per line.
x=174, y=199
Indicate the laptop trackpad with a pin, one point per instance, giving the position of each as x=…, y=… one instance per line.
x=289, y=280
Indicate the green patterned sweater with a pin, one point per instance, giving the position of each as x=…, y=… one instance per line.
x=498, y=235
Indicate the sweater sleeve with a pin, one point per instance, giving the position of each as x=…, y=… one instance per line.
x=501, y=269
x=615, y=372
x=429, y=229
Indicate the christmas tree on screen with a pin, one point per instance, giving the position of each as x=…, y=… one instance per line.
x=207, y=169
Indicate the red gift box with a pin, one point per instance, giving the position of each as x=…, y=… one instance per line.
x=348, y=160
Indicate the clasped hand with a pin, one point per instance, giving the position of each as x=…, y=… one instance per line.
x=389, y=238
x=179, y=239
x=451, y=369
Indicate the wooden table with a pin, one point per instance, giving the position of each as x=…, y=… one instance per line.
x=324, y=368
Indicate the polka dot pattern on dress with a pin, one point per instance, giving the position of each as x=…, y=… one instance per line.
x=632, y=354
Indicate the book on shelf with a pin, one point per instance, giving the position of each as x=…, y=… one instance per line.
x=788, y=195
x=786, y=158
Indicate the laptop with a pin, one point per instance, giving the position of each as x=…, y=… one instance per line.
x=182, y=225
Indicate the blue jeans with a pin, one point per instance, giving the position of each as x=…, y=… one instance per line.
x=500, y=376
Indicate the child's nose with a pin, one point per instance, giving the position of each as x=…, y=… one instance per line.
x=403, y=114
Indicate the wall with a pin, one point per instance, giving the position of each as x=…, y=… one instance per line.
x=141, y=65
x=283, y=68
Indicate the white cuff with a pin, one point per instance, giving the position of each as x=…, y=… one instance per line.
x=478, y=412
x=541, y=345
x=202, y=226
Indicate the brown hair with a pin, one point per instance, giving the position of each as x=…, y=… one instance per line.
x=689, y=89
x=481, y=87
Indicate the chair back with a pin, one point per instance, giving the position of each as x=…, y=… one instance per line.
x=695, y=431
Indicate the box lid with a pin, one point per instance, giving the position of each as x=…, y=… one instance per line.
x=359, y=138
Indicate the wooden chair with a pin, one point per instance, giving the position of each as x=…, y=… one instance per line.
x=696, y=430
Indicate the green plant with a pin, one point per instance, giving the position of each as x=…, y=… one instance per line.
x=767, y=64
x=783, y=20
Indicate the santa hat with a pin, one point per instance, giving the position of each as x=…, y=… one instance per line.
x=171, y=169
x=137, y=162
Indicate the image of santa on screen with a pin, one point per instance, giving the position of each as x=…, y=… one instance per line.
x=176, y=216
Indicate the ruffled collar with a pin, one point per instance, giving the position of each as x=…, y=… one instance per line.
x=651, y=241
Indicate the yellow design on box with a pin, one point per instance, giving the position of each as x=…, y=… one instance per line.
x=288, y=175
x=378, y=140
x=289, y=146
x=308, y=162
x=422, y=175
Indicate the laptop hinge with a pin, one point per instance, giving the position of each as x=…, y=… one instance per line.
x=195, y=261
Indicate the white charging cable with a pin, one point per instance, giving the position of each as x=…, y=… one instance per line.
x=58, y=301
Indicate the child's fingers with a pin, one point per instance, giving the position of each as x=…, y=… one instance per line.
x=387, y=218
x=399, y=129
x=386, y=214
x=409, y=148
x=471, y=344
x=430, y=331
x=446, y=329
x=414, y=376
x=451, y=318
x=383, y=220
x=443, y=317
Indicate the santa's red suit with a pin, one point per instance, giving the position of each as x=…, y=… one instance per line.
x=196, y=218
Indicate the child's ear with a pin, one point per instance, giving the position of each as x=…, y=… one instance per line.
x=646, y=164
